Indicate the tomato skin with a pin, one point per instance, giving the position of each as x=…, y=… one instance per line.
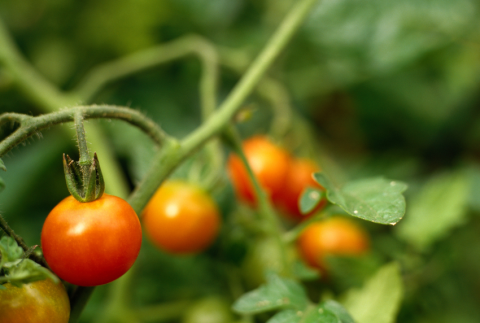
x=335, y=236
x=40, y=301
x=269, y=164
x=93, y=243
x=299, y=177
x=181, y=218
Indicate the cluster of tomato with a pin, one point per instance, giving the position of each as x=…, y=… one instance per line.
x=284, y=178
x=181, y=219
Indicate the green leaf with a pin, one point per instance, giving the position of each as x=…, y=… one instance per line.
x=379, y=299
x=327, y=312
x=303, y=272
x=2, y=165
x=309, y=199
x=24, y=271
x=286, y=316
x=2, y=184
x=10, y=250
x=276, y=293
x=376, y=199
x=440, y=206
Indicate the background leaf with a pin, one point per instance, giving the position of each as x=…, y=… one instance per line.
x=440, y=206
x=377, y=199
x=277, y=293
x=9, y=249
x=380, y=298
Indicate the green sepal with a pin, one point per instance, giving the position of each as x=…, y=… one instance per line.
x=84, y=182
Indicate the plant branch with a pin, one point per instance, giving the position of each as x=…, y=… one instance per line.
x=6, y=228
x=32, y=125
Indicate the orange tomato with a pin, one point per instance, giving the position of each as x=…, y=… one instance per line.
x=335, y=236
x=269, y=164
x=40, y=301
x=181, y=218
x=299, y=177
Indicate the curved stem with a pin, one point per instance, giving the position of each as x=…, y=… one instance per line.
x=109, y=72
x=32, y=125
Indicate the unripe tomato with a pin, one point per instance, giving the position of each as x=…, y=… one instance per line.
x=299, y=177
x=40, y=301
x=181, y=218
x=269, y=164
x=265, y=254
x=335, y=236
x=209, y=310
x=93, y=243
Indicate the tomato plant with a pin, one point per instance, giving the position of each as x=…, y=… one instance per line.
x=335, y=236
x=40, y=301
x=91, y=243
x=269, y=164
x=181, y=218
x=299, y=177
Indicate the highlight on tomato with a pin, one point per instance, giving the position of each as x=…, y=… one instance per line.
x=181, y=218
x=299, y=177
x=336, y=236
x=40, y=301
x=269, y=164
x=92, y=243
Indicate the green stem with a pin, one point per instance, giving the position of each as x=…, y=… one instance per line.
x=82, y=141
x=78, y=301
x=32, y=125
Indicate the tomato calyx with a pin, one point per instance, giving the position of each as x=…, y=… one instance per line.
x=84, y=179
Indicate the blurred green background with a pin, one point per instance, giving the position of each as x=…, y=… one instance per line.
x=389, y=88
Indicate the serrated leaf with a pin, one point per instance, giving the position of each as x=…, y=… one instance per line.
x=440, y=206
x=303, y=272
x=309, y=199
x=377, y=199
x=24, y=271
x=2, y=165
x=380, y=298
x=10, y=250
x=276, y=293
x=338, y=310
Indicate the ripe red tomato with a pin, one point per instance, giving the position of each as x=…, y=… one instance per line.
x=269, y=163
x=334, y=236
x=299, y=177
x=93, y=243
x=40, y=301
x=181, y=218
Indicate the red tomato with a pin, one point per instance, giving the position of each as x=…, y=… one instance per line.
x=335, y=236
x=181, y=218
x=91, y=243
x=40, y=301
x=299, y=177
x=269, y=163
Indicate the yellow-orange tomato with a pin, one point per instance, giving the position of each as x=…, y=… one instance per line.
x=299, y=177
x=335, y=236
x=269, y=164
x=181, y=218
x=40, y=301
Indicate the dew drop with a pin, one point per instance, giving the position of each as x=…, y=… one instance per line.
x=355, y=211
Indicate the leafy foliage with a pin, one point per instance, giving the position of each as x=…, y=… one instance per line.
x=440, y=206
x=377, y=200
x=309, y=199
x=379, y=299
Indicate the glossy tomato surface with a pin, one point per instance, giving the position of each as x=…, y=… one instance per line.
x=299, y=177
x=269, y=163
x=93, y=243
x=335, y=236
x=40, y=301
x=181, y=218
